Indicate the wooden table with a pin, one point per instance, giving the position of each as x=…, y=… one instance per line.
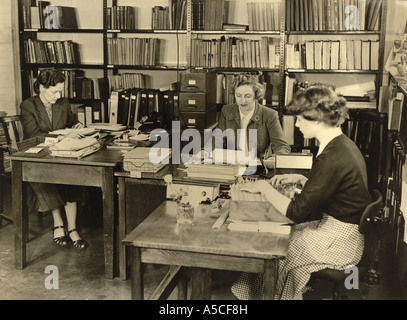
x=158, y=239
x=95, y=170
x=138, y=197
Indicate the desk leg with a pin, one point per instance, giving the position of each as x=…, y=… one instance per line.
x=122, y=228
x=200, y=279
x=19, y=204
x=270, y=278
x=183, y=287
x=137, y=284
x=109, y=194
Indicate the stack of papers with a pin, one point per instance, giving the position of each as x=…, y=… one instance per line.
x=75, y=148
x=144, y=159
x=145, y=154
x=213, y=172
x=107, y=126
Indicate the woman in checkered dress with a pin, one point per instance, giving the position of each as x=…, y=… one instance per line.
x=328, y=210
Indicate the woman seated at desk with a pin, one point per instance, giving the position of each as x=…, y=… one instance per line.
x=40, y=114
x=328, y=210
x=247, y=113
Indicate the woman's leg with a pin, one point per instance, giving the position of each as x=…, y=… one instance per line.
x=71, y=210
x=59, y=230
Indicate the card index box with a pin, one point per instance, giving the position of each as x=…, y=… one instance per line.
x=198, y=120
x=294, y=161
x=196, y=101
x=198, y=82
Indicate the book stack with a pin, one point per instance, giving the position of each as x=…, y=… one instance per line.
x=332, y=15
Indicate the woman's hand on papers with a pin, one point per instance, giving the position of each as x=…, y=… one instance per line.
x=78, y=126
x=288, y=178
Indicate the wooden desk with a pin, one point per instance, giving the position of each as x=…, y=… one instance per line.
x=96, y=170
x=138, y=197
x=158, y=239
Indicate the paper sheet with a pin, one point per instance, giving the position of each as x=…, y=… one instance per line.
x=83, y=131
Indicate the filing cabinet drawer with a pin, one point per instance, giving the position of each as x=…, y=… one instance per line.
x=196, y=101
x=198, y=120
x=193, y=82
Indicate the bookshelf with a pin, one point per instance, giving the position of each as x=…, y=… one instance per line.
x=205, y=35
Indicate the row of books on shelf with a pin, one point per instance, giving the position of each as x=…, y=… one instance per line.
x=47, y=16
x=358, y=95
x=208, y=14
x=264, y=16
x=133, y=51
x=396, y=194
x=293, y=135
x=333, y=15
x=225, y=83
x=121, y=17
x=333, y=55
x=76, y=86
x=89, y=113
x=171, y=17
x=38, y=51
x=128, y=106
x=234, y=52
x=126, y=80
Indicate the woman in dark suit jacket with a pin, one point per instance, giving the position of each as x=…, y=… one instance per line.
x=40, y=114
x=248, y=114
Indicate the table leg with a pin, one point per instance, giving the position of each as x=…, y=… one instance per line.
x=200, y=279
x=19, y=204
x=183, y=287
x=270, y=278
x=109, y=192
x=122, y=228
x=137, y=284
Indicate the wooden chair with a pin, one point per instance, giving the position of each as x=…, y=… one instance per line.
x=11, y=134
x=368, y=265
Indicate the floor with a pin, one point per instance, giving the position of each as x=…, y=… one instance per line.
x=81, y=273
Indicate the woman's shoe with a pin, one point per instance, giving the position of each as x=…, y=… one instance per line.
x=78, y=244
x=61, y=241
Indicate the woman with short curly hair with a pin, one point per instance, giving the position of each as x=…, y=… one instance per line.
x=328, y=210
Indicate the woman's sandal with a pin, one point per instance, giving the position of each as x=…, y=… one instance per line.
x=61, y=241
x=78, y=244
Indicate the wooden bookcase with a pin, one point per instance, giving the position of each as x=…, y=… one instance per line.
x=178, y=46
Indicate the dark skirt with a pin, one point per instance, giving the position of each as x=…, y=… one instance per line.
x=45, y=197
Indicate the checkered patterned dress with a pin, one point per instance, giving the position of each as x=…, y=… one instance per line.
x=314, y=246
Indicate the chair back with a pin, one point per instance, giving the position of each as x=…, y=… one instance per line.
x=371, y=212
x=13, y=131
